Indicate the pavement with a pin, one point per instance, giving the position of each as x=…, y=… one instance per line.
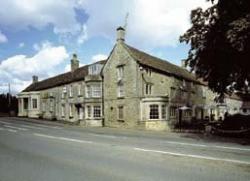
x=43, y=151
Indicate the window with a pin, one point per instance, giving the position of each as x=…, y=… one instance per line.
x=148, y=89
x=43, y=106
x=120, y=90
x=97, y=112
x=94, y=69
x=51, y=106
x=34, y=103
x=154, y=112
x=70, y=91
x=64, y=92
x=63, y=110
x=120, y=72
x=148, y=72
x=184, y=83
x=172, y=111
x=88, y=91
x=120, y=113
x=71, y=110
x=203, y=92
x=163, y=112
x=79, y=89
x=88, y=111
x=96, y=91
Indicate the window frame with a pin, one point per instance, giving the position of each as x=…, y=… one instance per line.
x=120, y=72
x=120, y=112
x=97, y=111
x=154, y=113
x=120, y=91
x=34, y=103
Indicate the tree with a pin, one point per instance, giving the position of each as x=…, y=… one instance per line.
x=220, y=45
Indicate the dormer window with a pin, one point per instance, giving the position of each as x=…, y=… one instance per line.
x=120, y=72
x=94, y=69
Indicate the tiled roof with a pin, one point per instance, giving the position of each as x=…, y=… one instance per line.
x=160, y=65
x=61, y=79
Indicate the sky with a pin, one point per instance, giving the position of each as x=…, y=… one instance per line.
x=38, y=37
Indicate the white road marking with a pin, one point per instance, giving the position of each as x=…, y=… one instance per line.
x=62, y=138
x=33, y=127
x=107, y=136
x=14, y=127
x=11, y=130
x=44, y=126
x=193, y=156
x=207, y=146
x=3, y=122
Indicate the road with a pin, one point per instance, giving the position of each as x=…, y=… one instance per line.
x=45, y=152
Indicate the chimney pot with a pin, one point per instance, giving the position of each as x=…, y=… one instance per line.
x=34, y=79
x=74, y=62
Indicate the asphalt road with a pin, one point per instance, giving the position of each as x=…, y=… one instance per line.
x=53, y=152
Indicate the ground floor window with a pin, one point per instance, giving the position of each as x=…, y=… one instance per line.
x=34, y=103
x=154, y=111
x=120, y=113
x=89, y=111
x=63, y=110
x=163, y=112
x=97, y=112
x=71, y=110
x=172, y=111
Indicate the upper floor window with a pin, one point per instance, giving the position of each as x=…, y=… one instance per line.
x=120, y=72
x=148, y=89
x=94, y=69
x=70, y=91
x=120, y=90
x=148, y=71
x=184, y=84
x=88, y=91
x=154, y=111
x=79, y=89
x=96, y=90
x=64, y=92
x=34, y=103
x=203, y=92
x=93, y=90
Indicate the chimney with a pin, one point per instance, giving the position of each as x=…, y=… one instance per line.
x=120, y=34
x=183, y=64
x=34, y=79
x=74, y=63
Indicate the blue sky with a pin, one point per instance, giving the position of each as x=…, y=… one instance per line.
x=38, y=37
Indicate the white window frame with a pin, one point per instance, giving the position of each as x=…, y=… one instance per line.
x=71, y=91
x=34, y=103
x=71, y=110
x=89, y=111
x=88, y=91
x=79, y=89
x=96, y=90
x=120, y=72
x=51, y=106
x=97, y=111
x=154, y=113
x=172, y=111
x=64, y=92
x=148, y=72
x=63, y=110
x=148, y=89
x=120, y=90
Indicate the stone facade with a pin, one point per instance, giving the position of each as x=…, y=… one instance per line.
x=131, y=89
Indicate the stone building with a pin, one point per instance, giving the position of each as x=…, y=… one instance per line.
x=75, y=96
x=130, y=89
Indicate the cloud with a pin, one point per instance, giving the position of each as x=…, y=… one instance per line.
x=151, y=23
x=3, y=38
x=99, y=57
x=19, y=69
x=39, y=14
x=21, y=45
x=83, y=35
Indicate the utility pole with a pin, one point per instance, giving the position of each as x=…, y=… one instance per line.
x=9, y=99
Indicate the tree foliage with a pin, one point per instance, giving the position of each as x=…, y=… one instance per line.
x=220, y=45
x=8, y=103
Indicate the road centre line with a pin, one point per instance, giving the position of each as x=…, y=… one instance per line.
x=33, y=127
x=207, y=146
x=11, y=130
x=192, y=156
x=14, y=127
x=61, y=138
